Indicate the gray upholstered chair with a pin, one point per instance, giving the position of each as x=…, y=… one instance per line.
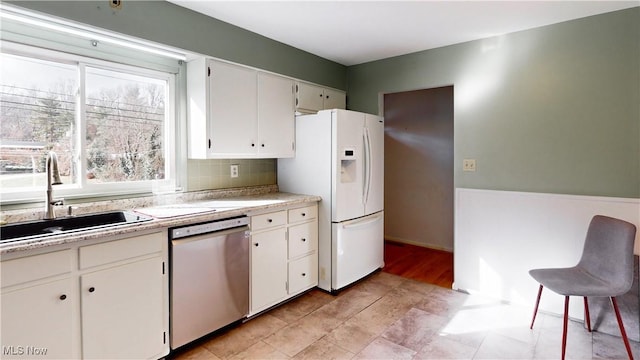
x=605, y=269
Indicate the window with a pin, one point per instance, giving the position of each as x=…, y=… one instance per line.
x=37, y=112
x=114, y=102
x=111, y=125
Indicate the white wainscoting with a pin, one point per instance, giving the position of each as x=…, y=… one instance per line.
x=501, y=235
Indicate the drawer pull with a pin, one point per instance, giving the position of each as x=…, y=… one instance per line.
x=304, y=274
x=92, y=289
x=256, y=244
x=63, y=297
x=303, y=239
x=304, y=214
x=269, y=220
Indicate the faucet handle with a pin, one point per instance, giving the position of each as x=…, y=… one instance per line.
x=57, y=202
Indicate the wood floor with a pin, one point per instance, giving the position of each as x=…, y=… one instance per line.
x=419, y=263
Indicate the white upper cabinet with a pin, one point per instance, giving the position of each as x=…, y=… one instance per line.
x=238, y=112
x=276, y=116
x=309, y=97
x=312, y=98
x=232, y=109
x=334, y=99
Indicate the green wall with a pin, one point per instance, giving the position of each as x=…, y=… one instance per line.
x=554, y=109
x=166, y=23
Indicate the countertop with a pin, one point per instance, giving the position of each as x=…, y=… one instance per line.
x=172, y=215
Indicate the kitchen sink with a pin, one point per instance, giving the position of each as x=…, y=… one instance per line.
x=37, y=228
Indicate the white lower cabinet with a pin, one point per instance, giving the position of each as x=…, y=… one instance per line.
x=303, y=239
x=284, y=255
x=107, y=300
x=268, y=268
x=303, y=274
x=127, y=298
x=37, y=321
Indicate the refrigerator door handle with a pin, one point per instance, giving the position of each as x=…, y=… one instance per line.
x=362, y=222
x=367, y=166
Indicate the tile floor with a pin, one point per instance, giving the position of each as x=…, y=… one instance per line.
x=390, y=317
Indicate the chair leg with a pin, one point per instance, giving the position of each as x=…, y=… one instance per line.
x=535, y=310
x=622, y=331
x=565, y=325
x=587, y=317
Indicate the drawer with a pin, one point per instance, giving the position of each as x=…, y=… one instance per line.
x=35, y=267
x=303, y=213
x=303, y=238
x=265, y=221
x=303, y=273
x=112, y=251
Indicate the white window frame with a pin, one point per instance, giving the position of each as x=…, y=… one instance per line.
x=83, y=189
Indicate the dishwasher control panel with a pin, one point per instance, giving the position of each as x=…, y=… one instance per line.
x=213, y=226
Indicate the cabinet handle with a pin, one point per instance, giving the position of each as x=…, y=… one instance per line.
x=269, y=220
x=253, y=145
x=209, y=143
x=63, y=297
x=304, y=274
x=327, y=96
x=262, y=145
x=320, y=95
x=303, y=214
x=303, y=239
x=256, y=244
x=92, y=289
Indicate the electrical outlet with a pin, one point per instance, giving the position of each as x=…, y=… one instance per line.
x=234, y=171
x=469, y=165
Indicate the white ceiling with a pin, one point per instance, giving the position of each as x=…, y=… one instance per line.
x=354, y=32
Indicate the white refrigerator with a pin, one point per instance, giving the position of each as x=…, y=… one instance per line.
x=340, y=157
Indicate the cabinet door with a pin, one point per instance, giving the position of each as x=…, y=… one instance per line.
x=268, y=268
x=232, y=110
x=37, y=322
x=334, y=99
x=276, y=116
x=197, y=108
x=309, y=98
x=122, y=311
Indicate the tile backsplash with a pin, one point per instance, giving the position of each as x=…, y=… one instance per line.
x=216, y=174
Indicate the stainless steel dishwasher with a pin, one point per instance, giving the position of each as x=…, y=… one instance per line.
x=209, y=277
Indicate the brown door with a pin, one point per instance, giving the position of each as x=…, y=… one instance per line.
x=418, y=180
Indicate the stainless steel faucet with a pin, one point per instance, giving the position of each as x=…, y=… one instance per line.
x=53, y=178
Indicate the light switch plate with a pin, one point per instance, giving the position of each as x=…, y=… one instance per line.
x=469, y=165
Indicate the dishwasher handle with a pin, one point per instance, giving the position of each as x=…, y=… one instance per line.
x=190, y=239
x=208, y=227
